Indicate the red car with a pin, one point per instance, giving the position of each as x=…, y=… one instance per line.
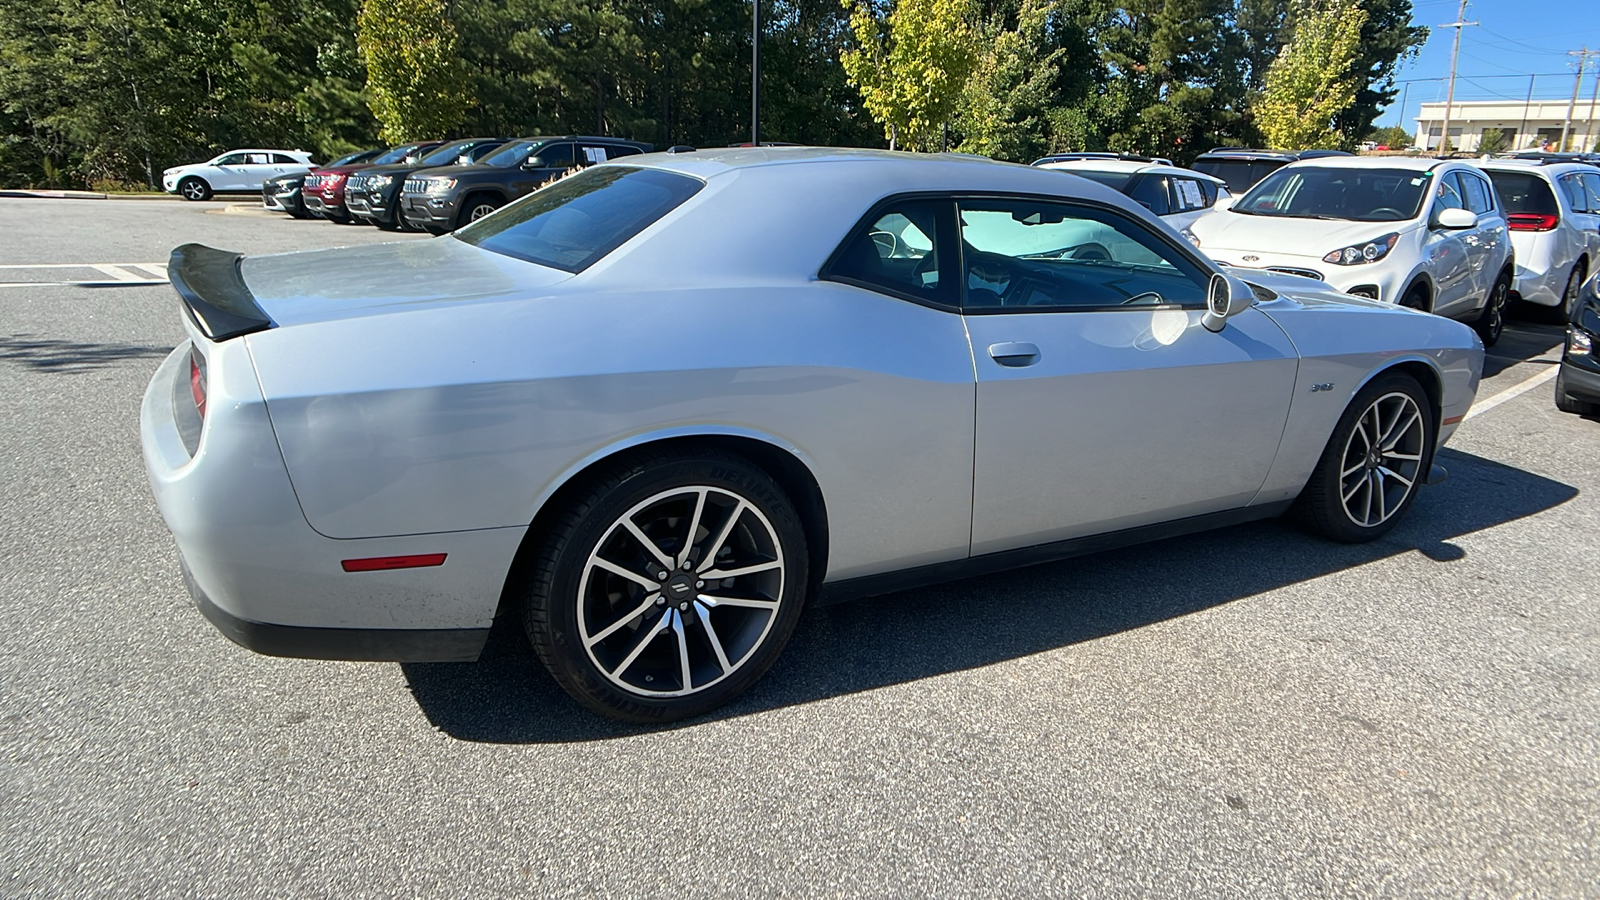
x=323, y=193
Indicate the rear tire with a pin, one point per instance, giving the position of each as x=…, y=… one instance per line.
x=1491, y=323
x=631, y=644
x=1570, y=404
x=194, y=188
x=1561, y=313
x=1376, y=459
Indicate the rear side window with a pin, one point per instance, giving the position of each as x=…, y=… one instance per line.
x=556, y=156
x=898, y=253
x=1477, y=194
x=1522, y=192
x=1188, y=195
x=573, y=223
x=1151, y=193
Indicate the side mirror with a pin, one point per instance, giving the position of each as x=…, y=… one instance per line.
x=533, y=162
x=1225, y=298
x=1455, y=219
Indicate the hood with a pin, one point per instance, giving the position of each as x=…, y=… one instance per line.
x=376, y=279
x=291, y=178
x=338, y=170
x=1231, y=231
x=390, y=169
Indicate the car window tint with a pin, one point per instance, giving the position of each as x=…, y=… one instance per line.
x=1524, y=192
x=1187, y=195
x=1114, y=180
x=556, y=156
x=1476, y=193
x=1572, y=187
x=1208, y=191
x=232, y=159
x=1448, y=195
x=574, y=222
x=280, y=160
x=898, y=251
x=443, y=155
x=1038, y=256
x=257, y=159
x=479, y=152
x=1591, y=185
x=1319, y=192
x=1150, y=191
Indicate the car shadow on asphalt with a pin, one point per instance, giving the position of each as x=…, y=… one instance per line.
x=1528, y=334
x=54, y=355
x=506, y=697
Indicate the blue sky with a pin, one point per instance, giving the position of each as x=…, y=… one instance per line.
x=1517, y=38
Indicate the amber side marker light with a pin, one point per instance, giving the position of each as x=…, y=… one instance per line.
x=381, y=563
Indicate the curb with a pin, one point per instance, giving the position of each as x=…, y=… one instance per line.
x=55, y=195
x=247, y=209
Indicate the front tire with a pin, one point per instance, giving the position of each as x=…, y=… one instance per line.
x=1491, y=323
x=194, y=188
x=1570, y=404
x=1377, y=457
x=476, y=208
x=667, y=585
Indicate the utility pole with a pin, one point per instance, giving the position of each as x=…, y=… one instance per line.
x=1577, y=84
x=755, y=73
x=1525, y=104
x=1450, y=96
x=1588, y=129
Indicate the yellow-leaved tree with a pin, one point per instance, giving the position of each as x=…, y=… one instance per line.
x=912, y=65
x=1312, y=79
x=416, y=82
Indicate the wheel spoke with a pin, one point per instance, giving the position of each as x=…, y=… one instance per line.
x=714, y=601
x=1390, y=473
x=644, y=539
x=722, y=536
x=1352, y=470
x=603, y=563
x=609, y=630
x=704, y=615
x=694, y=526
x=742, y=570
x=1353, y=488
x=1395, y=434
x=646, y=635
x=677, y=626
x=1409, y=457
x=1378, y=491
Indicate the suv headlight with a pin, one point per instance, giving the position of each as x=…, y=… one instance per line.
x=1359, y=254
x=378, y=182
x=439, y=185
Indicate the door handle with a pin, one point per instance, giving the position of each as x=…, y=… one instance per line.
x=1014, y=354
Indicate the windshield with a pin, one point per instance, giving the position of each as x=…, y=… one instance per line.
x=1356, y=195
x=353, y=158
x=574, y=222
x=510, y=155
x=395, y=155
x=444, y=156
x=1114, y=180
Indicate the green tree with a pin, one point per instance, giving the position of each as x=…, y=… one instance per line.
x=417, y=86
x=1310, y=83
x=911, y=66
x=1007, y=101
x=1387, y=38
x=1394, y=137
x=1493, y=140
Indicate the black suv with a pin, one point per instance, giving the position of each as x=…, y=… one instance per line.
x=1241, y=167
x=373, y=195
x=441, y=200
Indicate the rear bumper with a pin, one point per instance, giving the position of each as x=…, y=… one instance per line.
x=258, y=570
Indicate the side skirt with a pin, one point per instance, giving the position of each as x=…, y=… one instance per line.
x=989, y=563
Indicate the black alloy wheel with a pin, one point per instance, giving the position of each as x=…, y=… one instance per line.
x=667, y=584
x=1491, y=323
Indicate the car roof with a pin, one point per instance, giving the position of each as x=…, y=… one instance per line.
x=1419, y=164
x=1125, y=165
x=1251, y=153
x=1525, y=164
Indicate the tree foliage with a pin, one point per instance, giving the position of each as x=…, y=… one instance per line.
x=1311, y=82
x=416, y=84
x=911, y=66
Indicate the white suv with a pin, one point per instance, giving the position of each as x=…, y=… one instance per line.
x=236, y=170
x=1423, y=233
x=1554, y=213
x=1178, y=196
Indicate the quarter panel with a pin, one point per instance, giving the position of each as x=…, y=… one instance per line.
x=450, y=419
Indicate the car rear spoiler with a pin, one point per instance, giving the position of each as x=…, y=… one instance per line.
x=214, y=293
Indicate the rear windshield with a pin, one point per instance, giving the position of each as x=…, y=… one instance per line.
x=1114, y=180
x=1359, y=195
x=576, y=221
x=1239, y=174
x=1524, y=192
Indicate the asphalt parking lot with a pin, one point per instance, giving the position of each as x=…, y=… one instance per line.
x=1246, y=713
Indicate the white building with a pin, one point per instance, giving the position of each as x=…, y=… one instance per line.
x=1525, y=125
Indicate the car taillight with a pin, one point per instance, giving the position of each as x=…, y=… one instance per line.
x=1532, y=221
x=197, y=381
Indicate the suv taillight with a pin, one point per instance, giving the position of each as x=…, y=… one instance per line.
x=1532, y=221
x=197, y=381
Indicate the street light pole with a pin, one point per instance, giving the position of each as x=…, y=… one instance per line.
x=755, y=72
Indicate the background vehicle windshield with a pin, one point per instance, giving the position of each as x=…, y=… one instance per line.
x=355, y=157
x=576, y=221
x=511, y=154
x=1238, y=174
x=1524, y=192
x=1359, y=195
x=395, y=155
x=444, y=156
x=1114, y=180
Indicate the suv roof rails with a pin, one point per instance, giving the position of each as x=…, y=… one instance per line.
x=1275, y=154
x=1096, y=154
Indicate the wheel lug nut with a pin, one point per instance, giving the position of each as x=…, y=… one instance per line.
x=662, y=577
x=699, y=584
x=683, y=606
x=661, y=601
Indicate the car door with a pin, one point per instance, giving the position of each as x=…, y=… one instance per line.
x=227, y=173
x=1487, y=241
x=1445, y=252
x=1582, y=192
x=548, y=163
x=257, y=168
x=1103, y=403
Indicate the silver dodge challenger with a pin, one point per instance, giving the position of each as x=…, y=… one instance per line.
x=656, y=408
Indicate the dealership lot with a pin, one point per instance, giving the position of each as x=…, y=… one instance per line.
x=1251, y=712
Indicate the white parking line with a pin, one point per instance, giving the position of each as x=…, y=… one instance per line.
x=115, y=274
x=1516, y=390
